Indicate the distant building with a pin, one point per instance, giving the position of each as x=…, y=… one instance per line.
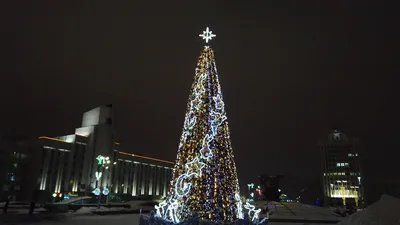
x=341, y=170
x=90, y=158
x=270, y=186
x=14, y=166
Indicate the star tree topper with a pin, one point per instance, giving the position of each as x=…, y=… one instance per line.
x=207, y=35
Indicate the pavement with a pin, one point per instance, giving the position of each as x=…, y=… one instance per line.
x=281, y=213
x=131, y=219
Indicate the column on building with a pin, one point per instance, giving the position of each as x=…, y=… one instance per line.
x=125, y=176
x=158, y=180
x=165, y=172
x=143, y=180
x=134, y=180
x=45, y=169
x=151, y=173
x=139, y=179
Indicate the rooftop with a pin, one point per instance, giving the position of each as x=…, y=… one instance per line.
x=68, y=140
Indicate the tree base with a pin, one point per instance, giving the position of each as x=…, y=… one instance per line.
x=151, y=220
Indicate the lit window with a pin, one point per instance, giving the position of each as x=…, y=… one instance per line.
x=346, y=164
x=341, y=164
x=15, y=165
x=344, y=181
x=12, y=178
x=350, y=155
x=324, y=174
x=356, y=154
x=339, y=181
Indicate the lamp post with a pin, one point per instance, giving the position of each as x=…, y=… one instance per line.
x=102, y=166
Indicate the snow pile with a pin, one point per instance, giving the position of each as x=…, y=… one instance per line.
x=106, y=209
x=84, y=210
x=384, y=212
x=69, y=201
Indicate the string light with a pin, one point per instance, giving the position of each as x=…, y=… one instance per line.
x=252, y=211
x=204, y=180
x=207, y=35
x=239, y=206
x=98, y=175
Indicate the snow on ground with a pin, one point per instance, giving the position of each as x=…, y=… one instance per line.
x=384, y=212
x=20, y=208
x=281, y=211
x=131, y=219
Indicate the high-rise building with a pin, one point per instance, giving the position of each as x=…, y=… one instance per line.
x=14, y=165
x=341, y=170
x=81, y=162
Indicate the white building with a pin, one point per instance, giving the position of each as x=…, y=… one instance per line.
x=69, y=164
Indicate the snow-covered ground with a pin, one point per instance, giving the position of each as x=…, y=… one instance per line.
x=20, y=208
x=384, y=212
x=132, y=219
x=283, y=212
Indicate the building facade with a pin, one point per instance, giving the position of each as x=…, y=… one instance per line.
x=90, y=159
x=341, y=169
x=15, y=163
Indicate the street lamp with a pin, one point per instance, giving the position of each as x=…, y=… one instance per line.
x=102, y=164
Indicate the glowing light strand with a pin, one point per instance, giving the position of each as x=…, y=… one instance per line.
x=168, y=209
x=239, y=206
x=182, y=188
x=207, y=35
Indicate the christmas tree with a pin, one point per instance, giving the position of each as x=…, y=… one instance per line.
x=204, y=182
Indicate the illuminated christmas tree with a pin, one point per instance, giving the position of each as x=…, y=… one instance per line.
x=204, y=183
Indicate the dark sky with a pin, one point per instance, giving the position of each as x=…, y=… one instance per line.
x=290, y=72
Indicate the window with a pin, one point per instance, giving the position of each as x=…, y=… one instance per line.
x=15, y=165
x=350, y=154
x=342, y=164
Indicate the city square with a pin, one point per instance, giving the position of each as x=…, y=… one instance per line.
x=288, y=154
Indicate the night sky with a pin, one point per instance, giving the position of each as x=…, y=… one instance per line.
x=290, y=71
